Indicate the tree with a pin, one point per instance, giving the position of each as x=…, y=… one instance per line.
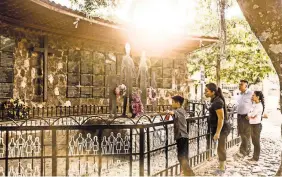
x=98, y=8
x=265, y=20
x=222, y=6
x=245, y=58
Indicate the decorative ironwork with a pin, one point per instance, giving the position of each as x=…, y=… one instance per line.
x=109, y=145
x=23, y=148
x=79, y=148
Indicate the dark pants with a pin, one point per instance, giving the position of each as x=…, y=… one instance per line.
x=182, y=154
x=255, y=134
x=125, y=105
x=244, y=130
x=221, y=149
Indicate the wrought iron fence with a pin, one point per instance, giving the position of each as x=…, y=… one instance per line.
x=65, y=111
x=192, y=107
x=94, y=146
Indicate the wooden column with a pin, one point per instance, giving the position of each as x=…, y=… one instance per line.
x=45, y=69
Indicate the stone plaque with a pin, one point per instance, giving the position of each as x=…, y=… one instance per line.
x=6, y=67
x=99, y=68
x=73, y=67
x=86, y=68
x=6, y=90
x=98, y=81
x=98, y=92
x=86, y=92
x=6, y=75
x=73, y=79
x=7, y=59
x=74, y=55
x=86, y=63
x=73, y=92
x=86, y=80
x=159, y=83
x=167, y=83
x=167, y=72
x=99, y=63
x=158, y=72
x=167, y=63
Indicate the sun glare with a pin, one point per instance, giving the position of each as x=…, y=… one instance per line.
x=163, y=16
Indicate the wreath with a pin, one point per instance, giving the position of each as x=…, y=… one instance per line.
x=16, y=109
x=120, y=90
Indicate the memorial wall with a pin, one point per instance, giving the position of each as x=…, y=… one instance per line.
x=77, y=72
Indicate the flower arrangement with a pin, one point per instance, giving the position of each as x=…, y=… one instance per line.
x=16, y=108
x=137, y=106
x=120, y=90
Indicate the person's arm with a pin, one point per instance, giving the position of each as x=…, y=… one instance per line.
x=220, y=116
x=256, y=111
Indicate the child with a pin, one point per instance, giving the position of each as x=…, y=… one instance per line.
x=181, y=134
x=255, y=117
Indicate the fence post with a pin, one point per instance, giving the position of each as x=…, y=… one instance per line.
x=141, y=152
x=198, y=142
x=166, y=150
x=7, y=154
x=100, y=134
x=204, y=110
x=130, y=151
x=54, y=153
x=148, y=153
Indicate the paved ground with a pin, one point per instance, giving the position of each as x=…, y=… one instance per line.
x=271, y=146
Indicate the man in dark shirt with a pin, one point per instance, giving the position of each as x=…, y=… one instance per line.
x=181, y=134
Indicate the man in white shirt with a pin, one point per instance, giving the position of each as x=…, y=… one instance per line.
x=244, y=106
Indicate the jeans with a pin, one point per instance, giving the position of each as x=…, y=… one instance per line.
x=244, y=130
x=182, y=154
x=255, y=134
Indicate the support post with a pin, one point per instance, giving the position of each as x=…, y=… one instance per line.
x=45, y=68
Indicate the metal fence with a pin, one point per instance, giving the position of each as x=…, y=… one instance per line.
x=93, y=146
x=65, y=111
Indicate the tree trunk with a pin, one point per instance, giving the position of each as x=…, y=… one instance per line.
x=265, y=19
x=222, y=5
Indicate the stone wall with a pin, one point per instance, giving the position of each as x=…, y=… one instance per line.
x=28, y=71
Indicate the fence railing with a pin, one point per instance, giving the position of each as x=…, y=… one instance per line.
x=66, y=111
x=94, y=146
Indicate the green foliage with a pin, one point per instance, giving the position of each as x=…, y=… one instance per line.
x=98, y=8
x=245, y=57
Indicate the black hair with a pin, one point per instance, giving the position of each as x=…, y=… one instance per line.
x=244, y=81
x=261, y=99
x=178, y=99
x=218, y=92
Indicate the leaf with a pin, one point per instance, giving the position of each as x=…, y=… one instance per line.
x=245, y=57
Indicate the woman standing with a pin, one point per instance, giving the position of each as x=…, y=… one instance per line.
x=255, y=117
x=220, y=127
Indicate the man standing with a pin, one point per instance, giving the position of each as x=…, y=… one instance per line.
x=244, y=106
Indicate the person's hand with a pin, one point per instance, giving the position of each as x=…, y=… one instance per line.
x=170, y=112
x=216, y=137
